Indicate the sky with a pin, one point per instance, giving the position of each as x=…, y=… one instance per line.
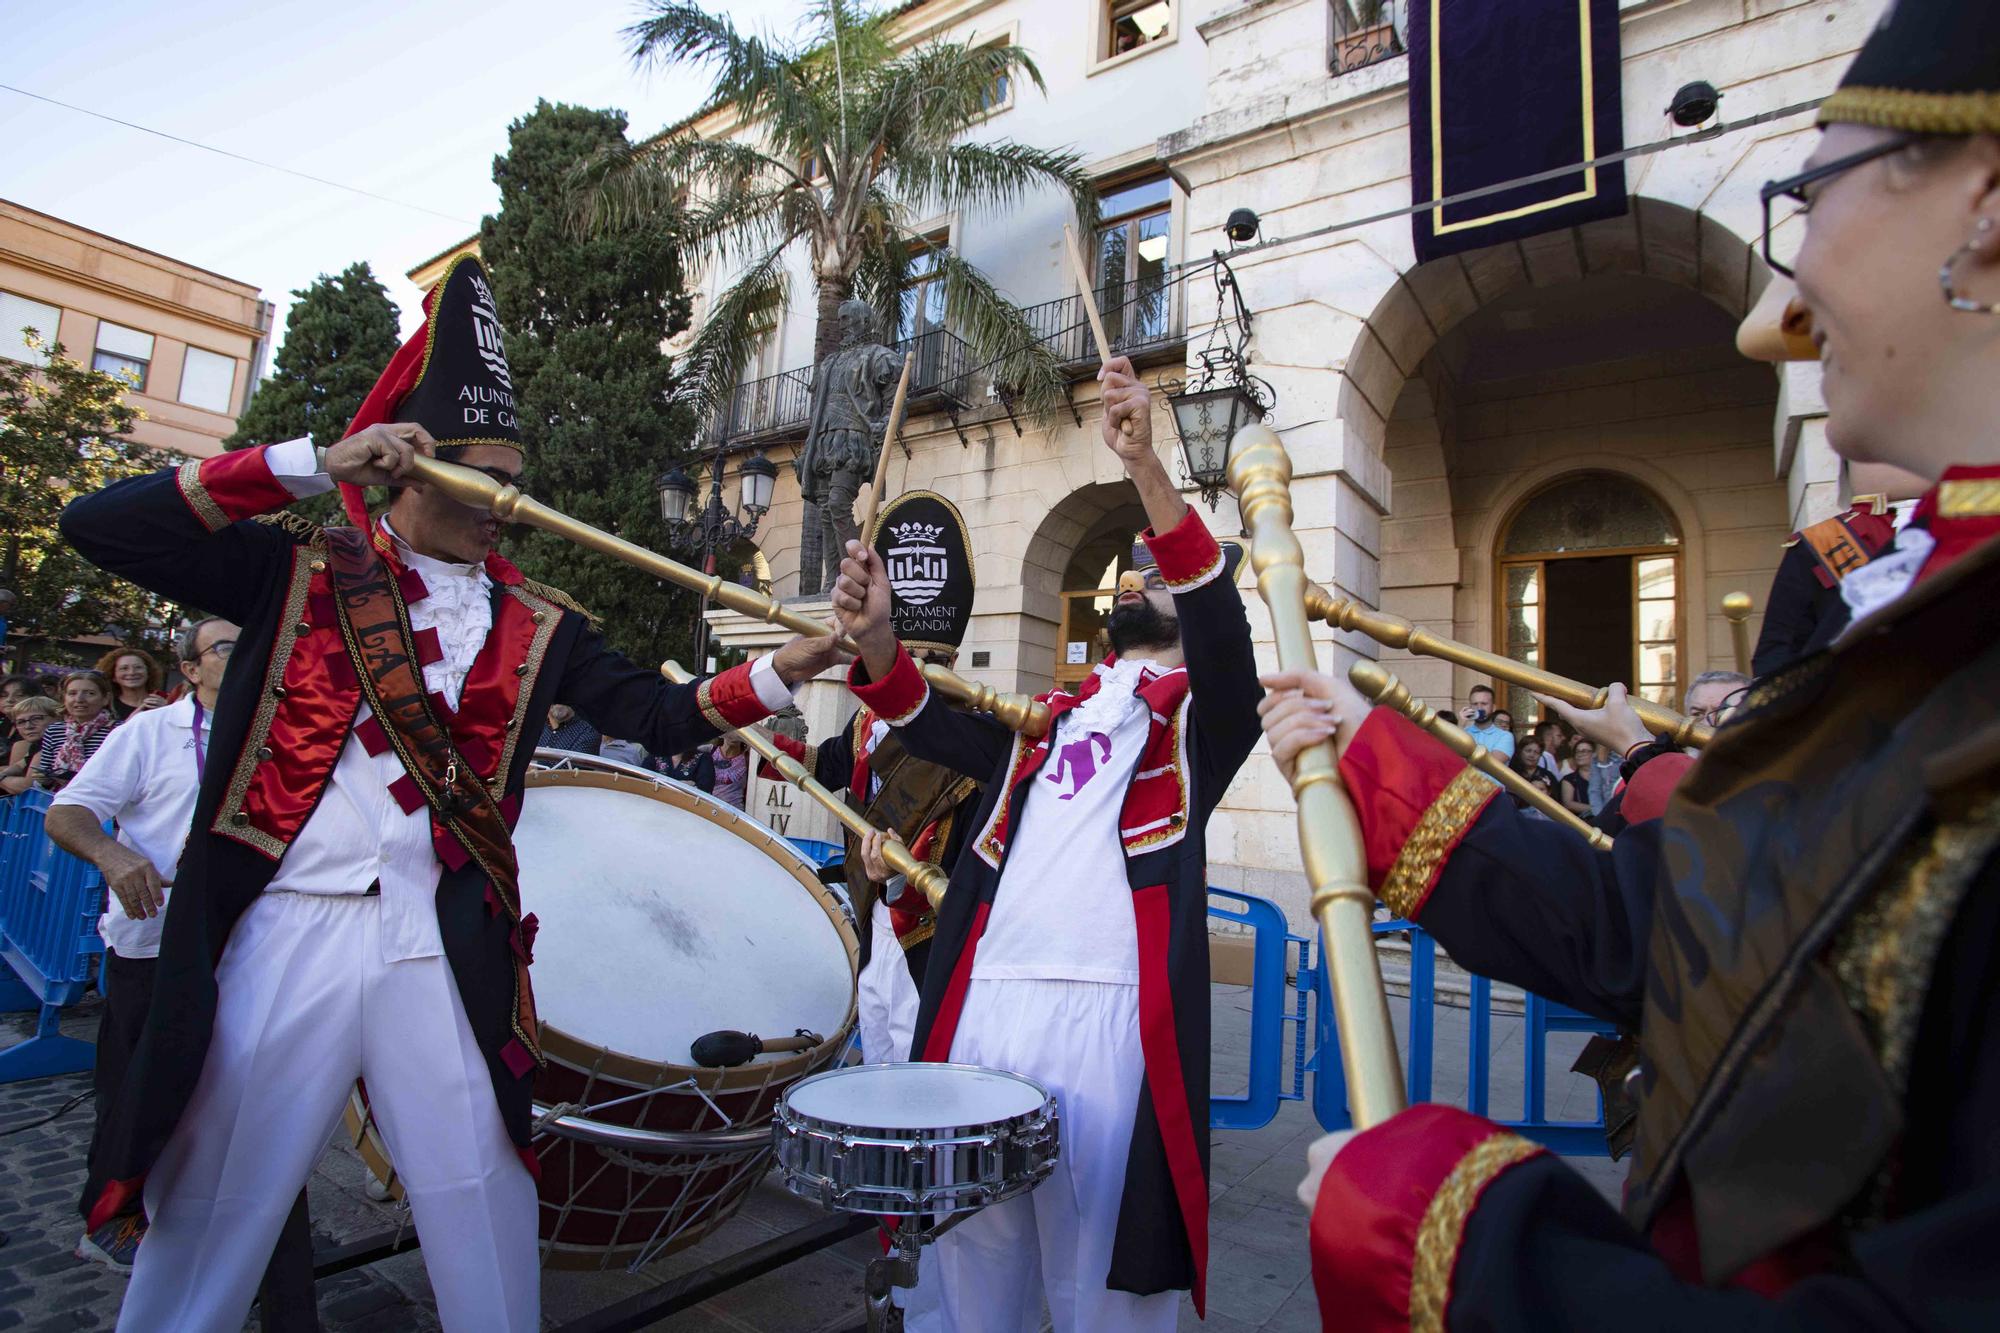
x=407, y=99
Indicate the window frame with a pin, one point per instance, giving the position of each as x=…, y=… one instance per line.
x=1010, y=35
x=1101, y=55
x=145, y=363
x=187, y=359
x=1146, y=175
x=50, y=336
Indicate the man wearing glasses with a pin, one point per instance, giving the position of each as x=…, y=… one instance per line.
x=144, y=779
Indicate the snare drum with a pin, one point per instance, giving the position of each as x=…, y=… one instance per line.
x=915, y=1140
x=665, y=914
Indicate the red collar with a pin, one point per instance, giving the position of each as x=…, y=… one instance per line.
x=1962, y=513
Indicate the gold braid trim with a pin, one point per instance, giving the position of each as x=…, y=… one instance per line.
x=1977, y=497
x=708, y=708
x=295, y=525
x=1921, y=113
x=1409, y=879
x=1443, y=1228
x=558, y=596
x=188, y=478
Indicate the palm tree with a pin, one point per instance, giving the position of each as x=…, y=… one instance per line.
x=850, y=141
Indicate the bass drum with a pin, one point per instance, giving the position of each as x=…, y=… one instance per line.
x=665, y=914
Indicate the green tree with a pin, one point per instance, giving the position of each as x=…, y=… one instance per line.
x=339, y=336
x=60, y=425
x=855, y=141
x=584, y=321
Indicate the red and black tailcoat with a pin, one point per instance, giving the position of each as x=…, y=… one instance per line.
x=1204, y=725
x=191, y=534
x=1801, y=931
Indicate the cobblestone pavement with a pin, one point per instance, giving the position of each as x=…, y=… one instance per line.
x=1259, y=1276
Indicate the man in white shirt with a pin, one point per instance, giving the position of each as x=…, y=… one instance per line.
x=144, y=779
x=1072, y=945
x=349, y=902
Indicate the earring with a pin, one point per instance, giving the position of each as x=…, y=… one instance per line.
x=1951, y=296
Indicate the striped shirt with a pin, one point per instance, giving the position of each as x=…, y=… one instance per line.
x=52, y=741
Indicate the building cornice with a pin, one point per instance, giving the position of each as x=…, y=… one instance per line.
x=80, y=279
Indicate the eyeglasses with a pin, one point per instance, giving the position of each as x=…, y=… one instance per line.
x=1714, y=717
x=1795, y=189
x=222, y=648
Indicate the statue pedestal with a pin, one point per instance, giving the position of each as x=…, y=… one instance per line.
x=824, y=701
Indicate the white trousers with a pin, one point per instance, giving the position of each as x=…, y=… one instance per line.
x=886, y=999
x=305, y=1006
x=1080, y=1040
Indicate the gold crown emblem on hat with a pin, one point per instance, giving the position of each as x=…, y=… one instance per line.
x=916, y=531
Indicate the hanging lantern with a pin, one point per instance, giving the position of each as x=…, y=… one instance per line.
x=756, y=481
x=676, y=493
x=1208, y=419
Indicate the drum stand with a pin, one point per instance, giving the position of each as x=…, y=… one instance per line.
x=898, y=1268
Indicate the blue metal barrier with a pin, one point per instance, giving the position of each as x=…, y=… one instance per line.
x=1255, y=1108
x=49, y=905
x=1576, y=1138
x=821, y=854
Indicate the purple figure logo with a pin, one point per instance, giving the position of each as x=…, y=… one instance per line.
x=1079, y=763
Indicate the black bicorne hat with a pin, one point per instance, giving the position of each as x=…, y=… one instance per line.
x=464, y=392
x=1930, y=67
x=922, y=540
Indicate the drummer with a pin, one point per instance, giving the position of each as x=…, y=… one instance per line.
x=346, y=903
x=1804, y=939
x=930, y=807
x=1072, y=943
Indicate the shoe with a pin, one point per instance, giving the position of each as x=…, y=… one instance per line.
x=115, y=1244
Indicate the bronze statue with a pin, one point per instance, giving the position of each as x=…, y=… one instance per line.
x=852, y=390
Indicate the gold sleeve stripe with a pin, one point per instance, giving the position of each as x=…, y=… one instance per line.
x=188, y=478
x=1442, y=1231
x=708, y=708
x=1417, y=865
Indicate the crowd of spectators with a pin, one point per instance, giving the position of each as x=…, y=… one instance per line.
x=721, y=767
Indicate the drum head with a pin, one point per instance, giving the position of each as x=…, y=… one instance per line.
x=667, y=914
x=915, y=1096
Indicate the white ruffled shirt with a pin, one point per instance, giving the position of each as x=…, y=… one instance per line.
x=1886, y=577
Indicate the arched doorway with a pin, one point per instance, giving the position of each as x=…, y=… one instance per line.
x=1589, y=582
x=1089, y=586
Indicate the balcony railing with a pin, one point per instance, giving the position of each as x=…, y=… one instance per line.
x=778, y=407
x=1146, y=318
x=1366, y=31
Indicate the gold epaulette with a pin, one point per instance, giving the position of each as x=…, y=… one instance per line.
x=296, y=525
x=558, y=596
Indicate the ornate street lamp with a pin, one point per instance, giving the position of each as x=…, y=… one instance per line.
x=1224, y=398
x=712, y=527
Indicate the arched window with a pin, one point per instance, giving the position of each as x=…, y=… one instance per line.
x=1590, y=587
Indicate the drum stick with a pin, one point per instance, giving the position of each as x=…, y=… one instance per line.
x=1089, y=300
x=930, y=880
x=889, y=434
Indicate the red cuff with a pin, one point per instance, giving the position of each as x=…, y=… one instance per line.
x=231, y=486
x=1647, y=794
x=795, y=748
x=898, y=696
x=1415, y=800
x=1188, y=556
x=1392, y=1212
x=729, y=700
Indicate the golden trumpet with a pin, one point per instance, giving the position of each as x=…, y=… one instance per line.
x=1329, y=834
x=1396, y=632
x=1736, y=608
x=930, y=880
x=1383, y=687
x=1018, y=712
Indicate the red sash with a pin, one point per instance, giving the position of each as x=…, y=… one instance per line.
x=375, y=627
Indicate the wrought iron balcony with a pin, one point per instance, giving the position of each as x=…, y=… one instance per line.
x=1141, y=318
x=1366, y=31
x=778, y=407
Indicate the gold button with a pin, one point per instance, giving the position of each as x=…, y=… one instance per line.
x=521, y=670
x=263, y=753
x=318, y=566
x=240, y=818
x=540, y=616
x=277, y=691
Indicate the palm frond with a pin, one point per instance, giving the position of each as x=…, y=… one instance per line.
x=766, y=83
x=929, y=96
x=974, y=177
x=713, y=365
x=1001, y=338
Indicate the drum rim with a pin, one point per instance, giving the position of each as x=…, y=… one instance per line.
x=588, y=1057
x=789, y=1118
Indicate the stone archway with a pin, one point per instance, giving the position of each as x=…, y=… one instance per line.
x=1402, y=393
x=1084, y=533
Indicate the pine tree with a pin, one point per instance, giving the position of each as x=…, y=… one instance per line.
x=339, y=335
x=584, y=322
x=59, y=429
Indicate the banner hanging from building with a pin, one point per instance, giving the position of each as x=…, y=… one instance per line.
x=1502, y=91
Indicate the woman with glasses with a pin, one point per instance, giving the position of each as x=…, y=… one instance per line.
x=1802, y=931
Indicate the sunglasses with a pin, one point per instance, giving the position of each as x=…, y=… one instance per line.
x=1798, y=189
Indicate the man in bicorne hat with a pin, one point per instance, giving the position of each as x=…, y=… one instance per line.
x=1800, y=924
x=1072, y=945
x=929, y=807
x=347, y=905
